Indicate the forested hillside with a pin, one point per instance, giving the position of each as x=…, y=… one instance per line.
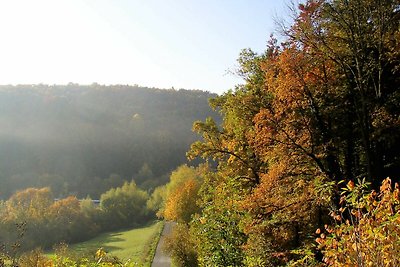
x=85, y=139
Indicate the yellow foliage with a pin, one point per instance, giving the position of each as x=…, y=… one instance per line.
x=181, y=203
x=370, y=237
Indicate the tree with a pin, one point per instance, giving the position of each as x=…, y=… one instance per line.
x=31, y=203
x=181, y=203
x=67, y=221
x=321, y=107
x=239, y=166
x=124, y=206
x=182, y=193
x=30, y=208
x=217, y=231
x=156, y=200
x=180, y=246
x=359, y=38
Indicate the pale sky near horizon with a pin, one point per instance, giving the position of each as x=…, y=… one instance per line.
x=156, y=43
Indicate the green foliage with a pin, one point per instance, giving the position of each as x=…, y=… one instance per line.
x=218, y=238
x=45, y=221
x=216, y=231
x=124, y=206
x=156, y=200
x=180, y=246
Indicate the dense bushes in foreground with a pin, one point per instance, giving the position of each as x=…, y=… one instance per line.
x=363, y=231
x=367, y=232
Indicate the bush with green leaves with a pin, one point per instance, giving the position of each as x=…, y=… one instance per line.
x=124, y=206
x=180, y=245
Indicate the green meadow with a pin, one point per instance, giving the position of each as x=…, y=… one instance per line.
x=136, y=245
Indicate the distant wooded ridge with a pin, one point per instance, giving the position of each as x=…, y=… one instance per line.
x=84, y=139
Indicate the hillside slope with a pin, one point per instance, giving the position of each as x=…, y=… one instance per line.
x=85, y=139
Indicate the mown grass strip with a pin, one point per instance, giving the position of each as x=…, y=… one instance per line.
x=134, y=245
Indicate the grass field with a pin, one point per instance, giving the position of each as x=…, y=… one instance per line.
x=134, y=244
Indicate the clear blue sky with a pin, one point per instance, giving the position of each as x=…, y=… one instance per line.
x=157, y=43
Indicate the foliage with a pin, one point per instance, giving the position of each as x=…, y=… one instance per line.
x=355, y=39
x=320, y=107
x=63, y=259
x=180, y=195
x=156, y=200
x=44, y=221
x=367, y=231
x=216, y=231
x=39, y=259
x=180, y=246
x=124, y=206
x=179, y=204
x=68, y=223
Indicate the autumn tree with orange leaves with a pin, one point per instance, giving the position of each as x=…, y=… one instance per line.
x=321, y=107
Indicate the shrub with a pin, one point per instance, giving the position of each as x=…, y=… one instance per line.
x=180, y=246
x=124, y=206
x=368, y=229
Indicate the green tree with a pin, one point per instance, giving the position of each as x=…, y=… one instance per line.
x=217, y=231
x=156, y=201
x=219, y=227
x=124, y=206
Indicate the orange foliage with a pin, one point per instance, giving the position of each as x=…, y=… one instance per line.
x=370, y=234
x=66, y=209
x=30, y=203
x=181, y=203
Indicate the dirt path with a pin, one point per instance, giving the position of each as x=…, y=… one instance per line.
x=161, y=259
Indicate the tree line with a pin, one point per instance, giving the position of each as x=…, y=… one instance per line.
x=32, y=218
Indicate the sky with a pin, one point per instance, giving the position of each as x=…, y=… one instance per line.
x=190, y=44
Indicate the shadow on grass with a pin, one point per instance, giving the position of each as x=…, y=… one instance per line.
x=130, y=243
x=103, y=241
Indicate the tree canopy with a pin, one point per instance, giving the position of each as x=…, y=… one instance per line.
x=318, y=109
